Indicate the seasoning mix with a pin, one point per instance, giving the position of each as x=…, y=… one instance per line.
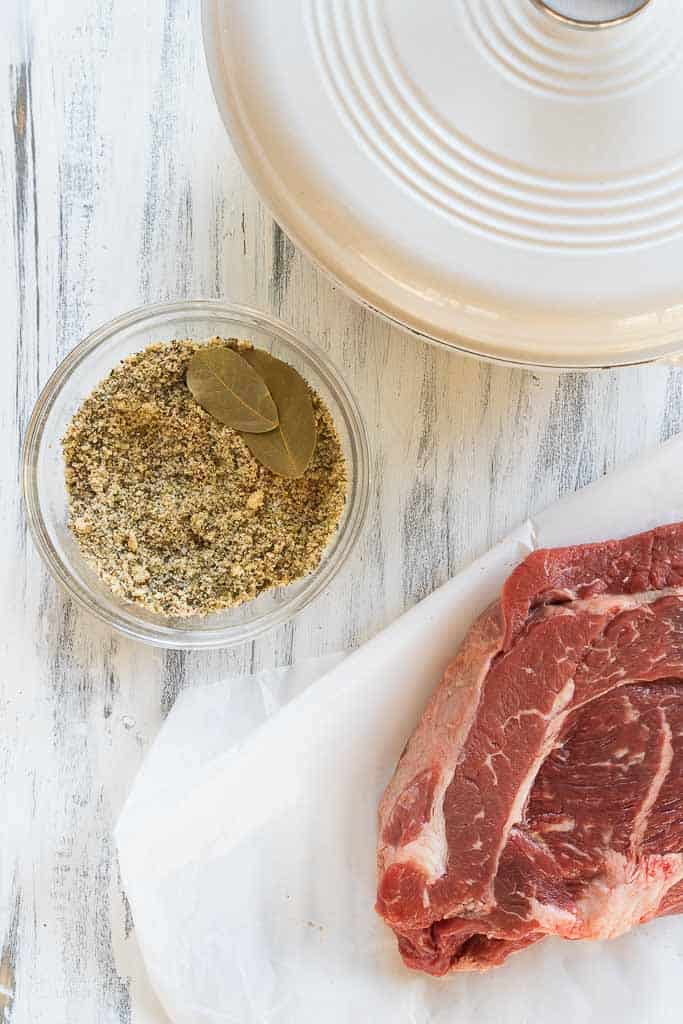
x=171, y=506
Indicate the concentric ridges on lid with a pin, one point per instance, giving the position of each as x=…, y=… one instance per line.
x=550, y=58
x=441, y=165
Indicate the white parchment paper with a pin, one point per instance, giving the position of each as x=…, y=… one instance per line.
x=247, y=846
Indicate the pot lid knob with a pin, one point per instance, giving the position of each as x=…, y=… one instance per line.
x=592, y=13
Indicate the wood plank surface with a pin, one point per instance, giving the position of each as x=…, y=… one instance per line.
x=119, y=186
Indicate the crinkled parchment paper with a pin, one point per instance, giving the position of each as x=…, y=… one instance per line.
x=247, y=845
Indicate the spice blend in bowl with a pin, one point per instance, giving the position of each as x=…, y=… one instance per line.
x=184, y=514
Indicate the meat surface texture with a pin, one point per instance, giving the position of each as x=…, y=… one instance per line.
x=542, y=791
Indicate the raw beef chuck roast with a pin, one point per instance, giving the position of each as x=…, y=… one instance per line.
x=542, y=792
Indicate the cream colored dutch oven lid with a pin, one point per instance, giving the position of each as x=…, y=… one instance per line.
x=482, y=171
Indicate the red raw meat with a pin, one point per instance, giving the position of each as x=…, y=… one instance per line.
x=542, y=792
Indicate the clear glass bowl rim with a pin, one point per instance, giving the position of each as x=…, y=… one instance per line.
x=341, y=546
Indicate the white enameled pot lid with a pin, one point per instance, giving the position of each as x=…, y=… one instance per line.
x=478, y=170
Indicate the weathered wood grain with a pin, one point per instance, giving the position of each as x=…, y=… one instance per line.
x=118, y=186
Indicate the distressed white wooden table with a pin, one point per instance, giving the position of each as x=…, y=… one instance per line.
x=118, y=186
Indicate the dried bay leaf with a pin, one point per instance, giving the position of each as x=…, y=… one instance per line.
x=289, y=448
x=231, y=390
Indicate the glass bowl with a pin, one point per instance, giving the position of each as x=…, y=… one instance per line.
x=45, y=492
